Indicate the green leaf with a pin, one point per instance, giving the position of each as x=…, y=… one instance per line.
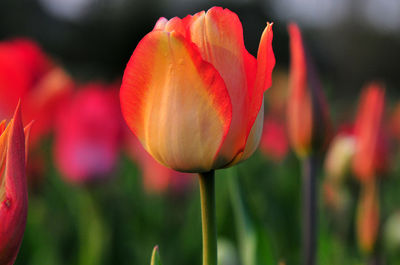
x=255, y=246
x=155, y=257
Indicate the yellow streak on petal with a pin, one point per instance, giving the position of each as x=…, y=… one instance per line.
x=3, y=154
x=183, y=130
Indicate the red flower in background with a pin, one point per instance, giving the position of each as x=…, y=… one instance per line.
x=371, y=154
x=368, y=217
x=308, y=120
x=88, y=133
x=13, y=188
x=22, y=63
x=274, y=142
x=45, y=99
x=156, y=177
x=26, y=73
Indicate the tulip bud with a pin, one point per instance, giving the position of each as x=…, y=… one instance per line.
x=13, y=188
x=368, y=217
x=307, y=113
x=368, y=128
x=338, y=157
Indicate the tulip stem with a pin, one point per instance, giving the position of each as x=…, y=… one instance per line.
x=208, y=217
x=309, y=209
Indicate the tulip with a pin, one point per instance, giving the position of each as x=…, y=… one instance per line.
x=192, y=93
x=368, y=217
x=22, y=63
x=26, y=73
x=13, y=188
x=339, y=156
x=193, y=96
x=308, y=130
x=307, y=112
x=88, y=135
x=368, y=126
x=45, y=100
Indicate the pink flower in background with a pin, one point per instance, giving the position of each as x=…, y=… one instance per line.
x=88, y=134
x=156, y=177
x=274, y=141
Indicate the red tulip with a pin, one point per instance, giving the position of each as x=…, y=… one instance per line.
x=21, y=64
x=274, y=142
x=13, y=190
x=88, y=134
x=156, y=177
x=26, y=73
x=307, y=113
x=368, y=132
x=192, y=93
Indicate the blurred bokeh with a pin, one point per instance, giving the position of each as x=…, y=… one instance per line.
x=115, y=213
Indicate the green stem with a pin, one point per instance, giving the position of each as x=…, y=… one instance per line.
x=208, y=218
x=309, y=194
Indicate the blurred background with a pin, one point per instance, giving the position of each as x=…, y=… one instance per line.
x=100, y=199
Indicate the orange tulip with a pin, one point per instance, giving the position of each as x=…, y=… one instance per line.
x=368, y=132
x=368, y=217
x=192, y=93
x=13, y=189
x=307, y=112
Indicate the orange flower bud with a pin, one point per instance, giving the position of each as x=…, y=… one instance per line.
x=193, y=95
x=368, y=131
x=13, y=190
x=368, y=217
x=307, y=113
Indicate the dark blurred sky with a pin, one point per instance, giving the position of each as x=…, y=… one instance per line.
x=352, y=42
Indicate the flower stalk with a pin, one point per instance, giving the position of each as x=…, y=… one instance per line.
x=208, y=217
x=309, y=209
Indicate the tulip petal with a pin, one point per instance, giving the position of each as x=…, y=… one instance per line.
x=219, y=36
x=253, y=138
x=13, y=209
x=265, y=60
x=176, y=103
